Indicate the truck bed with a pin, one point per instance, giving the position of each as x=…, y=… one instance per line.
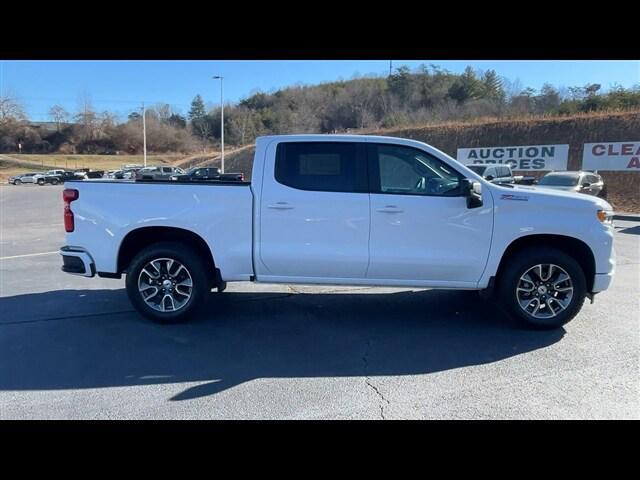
x=106, y=211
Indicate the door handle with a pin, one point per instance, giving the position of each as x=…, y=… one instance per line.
x=389, y=209
x=280, y=206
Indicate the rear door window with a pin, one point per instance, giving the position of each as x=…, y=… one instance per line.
x=322, y=166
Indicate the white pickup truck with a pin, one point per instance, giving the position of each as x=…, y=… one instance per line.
x=343, y=210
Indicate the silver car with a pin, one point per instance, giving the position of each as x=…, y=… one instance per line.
x=582, y=182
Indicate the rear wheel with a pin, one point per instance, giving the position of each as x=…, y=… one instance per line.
x=54, y=181
x=543, y=287
x=41, y=181
x=167, y=283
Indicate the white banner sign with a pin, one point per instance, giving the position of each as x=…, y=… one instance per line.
x=525, y=157
x=611, y=156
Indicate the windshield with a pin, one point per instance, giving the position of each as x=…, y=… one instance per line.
x=559, y=180
x=479, y=169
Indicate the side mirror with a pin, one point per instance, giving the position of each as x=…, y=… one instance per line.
x=489, y=177
x=473, y=191
x=586, y=185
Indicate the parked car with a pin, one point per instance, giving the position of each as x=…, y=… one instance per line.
x=46, y=178
x=207, y=173
x=525, y=180
x=58, y=176
x=23, y=178
x=346, y=210
x=158, y=173
x=124, y=174
x=493, y=173
x=575, y=181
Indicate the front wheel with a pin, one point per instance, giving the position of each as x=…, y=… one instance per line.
x=41, y=182
x=543, y=287
x=18, y=182
x=167, y=283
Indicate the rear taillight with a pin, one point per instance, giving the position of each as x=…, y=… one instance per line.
x=69, y=195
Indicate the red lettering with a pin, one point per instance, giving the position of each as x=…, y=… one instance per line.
x=599, y=148
x=627, y=149
x=634, y=163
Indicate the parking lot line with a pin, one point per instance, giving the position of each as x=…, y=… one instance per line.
x=28, y=255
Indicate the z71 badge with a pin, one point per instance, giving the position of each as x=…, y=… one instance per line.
x=522, y=198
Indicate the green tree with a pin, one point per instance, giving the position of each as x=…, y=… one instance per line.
x=491, y=86
x=197, y=108
x=466, y=86
x=548, y=100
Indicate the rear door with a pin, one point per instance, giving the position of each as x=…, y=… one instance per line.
x=421, y=228
x=314, y=211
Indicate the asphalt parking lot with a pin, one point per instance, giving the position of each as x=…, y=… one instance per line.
x=72, y=347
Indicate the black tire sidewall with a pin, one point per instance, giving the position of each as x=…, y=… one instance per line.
x=185, y=256
x=528, y=258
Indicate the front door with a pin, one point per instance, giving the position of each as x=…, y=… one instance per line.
x=421, y=228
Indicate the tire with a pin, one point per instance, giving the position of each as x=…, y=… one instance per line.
x=18, y=182
x=562, y=300
x=137, y=279
x=41, y=182
x=54, y=182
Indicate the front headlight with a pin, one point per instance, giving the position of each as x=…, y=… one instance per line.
x=605, y=216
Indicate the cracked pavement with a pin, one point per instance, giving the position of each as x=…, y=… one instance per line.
x=72, y=347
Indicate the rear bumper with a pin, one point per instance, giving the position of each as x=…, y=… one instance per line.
x=77, y=261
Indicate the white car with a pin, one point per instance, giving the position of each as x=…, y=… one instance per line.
x=343, y=210
x=23, y=178
x=493, y=173
x=589, y=183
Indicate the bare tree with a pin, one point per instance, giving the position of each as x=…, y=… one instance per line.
x=11, y=108
x=58, y=114
x=87, y=117
x=164, y=111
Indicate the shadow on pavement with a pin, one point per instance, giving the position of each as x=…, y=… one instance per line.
x=630, y=230
x=245, y=336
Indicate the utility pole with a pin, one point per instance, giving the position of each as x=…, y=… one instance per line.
x=218, y=77
x=144, y=133
x=390, y=66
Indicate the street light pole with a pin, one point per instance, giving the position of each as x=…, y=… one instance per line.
x=218, y=77
x=144, y=133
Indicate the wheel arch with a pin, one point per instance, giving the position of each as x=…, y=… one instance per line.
x=143, y=237
x=572, y=246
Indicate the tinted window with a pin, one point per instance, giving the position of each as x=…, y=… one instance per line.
x=559, y=180
x=409, y=171
x=479, y=169
x=504, y=172
x=322, y=166
x=592, y=179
